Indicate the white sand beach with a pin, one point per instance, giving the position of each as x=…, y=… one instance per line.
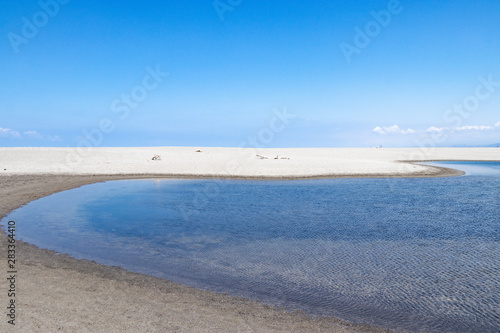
x=59, y=293
x=233, y=162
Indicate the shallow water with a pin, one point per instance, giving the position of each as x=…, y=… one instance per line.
x=416, y=254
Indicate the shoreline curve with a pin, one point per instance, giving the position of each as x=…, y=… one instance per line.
x=60, y=280
x=122, y=294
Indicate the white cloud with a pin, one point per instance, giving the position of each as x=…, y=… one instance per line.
x=54, y=138
x=9, y=133
x=408, y=131
x=34, y=135
x=394, y=129
x=29, y=135
x=476, y=128
x=437, y=129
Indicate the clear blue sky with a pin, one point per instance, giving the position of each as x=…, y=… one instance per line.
x=414, y=75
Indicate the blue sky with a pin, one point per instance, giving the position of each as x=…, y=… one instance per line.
x=352, y=73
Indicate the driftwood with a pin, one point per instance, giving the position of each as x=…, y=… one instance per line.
x=276, y=158
x=156, y=158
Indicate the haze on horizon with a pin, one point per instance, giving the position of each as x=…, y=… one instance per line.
x=318, y=73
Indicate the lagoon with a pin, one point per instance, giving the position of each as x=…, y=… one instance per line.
x=420, y=254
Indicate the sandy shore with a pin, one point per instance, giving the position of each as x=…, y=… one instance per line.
x=59, y=293
x=233, y=162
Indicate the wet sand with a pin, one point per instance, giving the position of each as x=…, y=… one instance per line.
x=58, y=293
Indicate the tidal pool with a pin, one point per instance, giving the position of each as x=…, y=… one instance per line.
x=419, y=254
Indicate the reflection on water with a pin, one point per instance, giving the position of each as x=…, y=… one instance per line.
x=414, y=254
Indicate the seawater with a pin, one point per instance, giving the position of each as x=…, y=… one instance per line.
x=416, y=254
